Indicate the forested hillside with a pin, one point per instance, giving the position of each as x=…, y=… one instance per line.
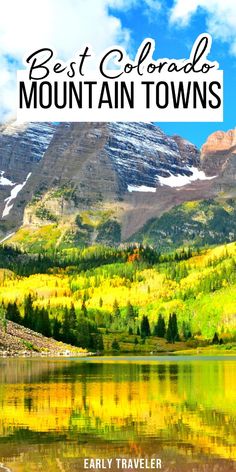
x=199, y=223
x=130, y=298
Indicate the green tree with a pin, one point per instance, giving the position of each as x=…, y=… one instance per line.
x=175, y=327
x=186, y=330
x=169, y=330
x=130, y=312
x=56, y=329
x=44, y=322
x=28, y=320
x=100, y=343
x=115, y=345
x=160, y=327
x=172, y=334
x=13, y=313
x=72, y=317
x=215, y=339
x=96, y=342
x=69, y=325
x=83, y=338
x=116, y=310
x=145, y=327
x=83, y=308
x=65, y=325
x=3, y=319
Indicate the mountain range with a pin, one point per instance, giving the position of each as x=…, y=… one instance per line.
x=87, y=183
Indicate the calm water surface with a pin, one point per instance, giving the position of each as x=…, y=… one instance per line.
x=54, y=413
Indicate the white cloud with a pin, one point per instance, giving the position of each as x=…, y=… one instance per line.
x=66, y=25
x=220, y=17
x=153, y=7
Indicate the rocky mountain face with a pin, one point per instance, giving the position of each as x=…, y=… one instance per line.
x=219, y=141
x=21, y=149
x=124, y=172
x=218, y=156
x=104, y=160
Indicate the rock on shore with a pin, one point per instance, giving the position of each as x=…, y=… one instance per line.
x=17, y=341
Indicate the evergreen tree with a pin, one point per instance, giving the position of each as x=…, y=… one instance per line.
x=28, y=321
x=12, y=313
x=215, y=339
x=56, y=329
x=84, y=309
x=172, y=334
x=96, y=343
x=169, y=330
x=16, y=314
x=175, y=332
x=100, y=344
x=36, y=322
x=160, y=327
x=3, y=319
x=65, y=325
x=69, y=325
x=115, y=345
x=116, y=310
x=44, y=323
x=130, y=312
x=145, y=327
x=72, y=317
x=83, y=338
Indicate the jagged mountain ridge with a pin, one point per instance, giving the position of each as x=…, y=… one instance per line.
x=122, y=154
x=132, y=169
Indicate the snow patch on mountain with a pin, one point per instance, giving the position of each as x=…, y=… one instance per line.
x=141, y=188
x=4, y=180
x=182, y=180
x=140, y=153
x=14, y=193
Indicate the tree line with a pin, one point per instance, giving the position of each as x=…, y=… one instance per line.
x=79, y=329
x=26, y=263
x=71, y=329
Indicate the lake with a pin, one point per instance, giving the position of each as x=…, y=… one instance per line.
x=54, y=413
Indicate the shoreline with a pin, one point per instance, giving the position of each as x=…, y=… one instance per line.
x=45, y=355
x=78, y=354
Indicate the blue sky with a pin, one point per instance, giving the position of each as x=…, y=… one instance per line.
x=66, y=25
x=175, y=40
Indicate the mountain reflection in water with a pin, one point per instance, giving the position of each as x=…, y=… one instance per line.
x=54, y=413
